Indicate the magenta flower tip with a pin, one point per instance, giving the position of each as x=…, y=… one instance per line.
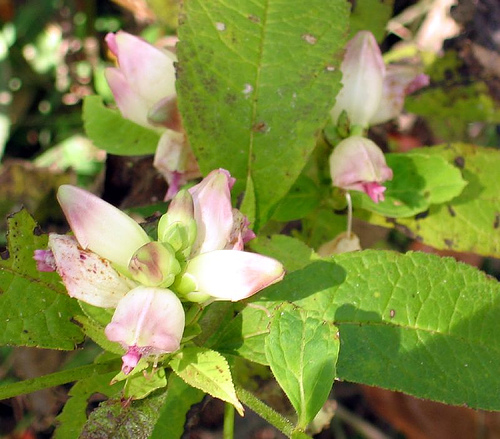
x=375, y=191
x=130, y=359
x=44, y=260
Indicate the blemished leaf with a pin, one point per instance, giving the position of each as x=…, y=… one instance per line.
x=260, y=117
x=110, y=131
x=24, y=291
x=371, y=15
x=206, y=370
x=469, y=222
x=116, y=418
x=419, y=181
x=303, y=198
x=74, y=414
x=302, y=352
x=415, y=323
x=180, y=398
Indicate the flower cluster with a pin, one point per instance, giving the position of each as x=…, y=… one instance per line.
x=110, y=262
x=371, y=93
x=143, y=85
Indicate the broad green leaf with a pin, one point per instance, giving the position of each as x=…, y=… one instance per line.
x=74, y=413
x=180, y=398
x=141, y=385
x=96, y=333
x=206, y=370
x=110, y=131
x=303, y=198
x=321, y=226
x=419, y=181
x=35, y=309
x=256, y=81
x=292, y=253
x=120, y=419
x=417, y=323
x=371, y=15
x=302, y=351
x=469, y=222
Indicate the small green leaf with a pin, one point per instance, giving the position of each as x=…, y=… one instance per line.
x=471, y=221
x=206, y=370
x=180, y=398
x=419, y=181
x=35, y=309
x=140, y=385
x=260, y=118
x=116, y=418
x=116, y=135
x=302, y=351
x=371, y=15
x=74, y=413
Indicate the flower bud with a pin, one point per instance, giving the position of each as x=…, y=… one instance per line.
x=144, y=76
x=154, y=264
x=229, y=274
x=363, y=73
x=358, y=164
x=101, y=227
x=147, y=321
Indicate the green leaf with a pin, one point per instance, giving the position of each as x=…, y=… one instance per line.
x=416, y=323
x=303, y=198
x=322, y=226
x=35, y=309
x=302, y=351
x=206, y=370
x=140, y=385
x=469, y=222
x=260, y=117
x=180, y=398
x=291, y=252
x=371, y=15
x=116, y=135
x=96, y=333
x=74, y=413
x=419, y=181
x=119, y=419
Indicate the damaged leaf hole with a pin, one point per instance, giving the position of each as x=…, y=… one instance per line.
x=309, y=38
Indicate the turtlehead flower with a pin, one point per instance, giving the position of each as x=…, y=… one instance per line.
x=373, y=93
x=358, y=164
x=143, y=85
x=147, y=321
x=363, y=71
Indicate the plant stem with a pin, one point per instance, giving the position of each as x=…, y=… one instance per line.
x=57, y=378
x=228, y=432
x=264, y=411
x=349, y=214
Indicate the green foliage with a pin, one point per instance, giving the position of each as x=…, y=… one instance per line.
x=141, y=384
x=206, y=370
x=303, y=198
x=419, y=181
x=121, y=419
x=469, y=222
x=24, y=291
x=74, y=414
x=407, y=322
x=371, y=15
x=116, y=135
x=260, y=118
x=302, y=351
x=180, y=398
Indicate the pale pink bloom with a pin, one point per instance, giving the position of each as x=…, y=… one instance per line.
x=358, y=164
x=147, y=322
x=363, y=71
x=232, y=274
x=143, y=84
x=100, y=227
x=85, y=275
x=399, y=81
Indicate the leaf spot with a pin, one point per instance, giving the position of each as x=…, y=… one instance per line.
x=330, y=68
x=247, y=89
x=254, y=18
x=308, y=38
x=260, y=127
x=392, y=313
x=459, y=162
x=451, y=210
x=449, y=242
x=496, y=223
x=220, y=26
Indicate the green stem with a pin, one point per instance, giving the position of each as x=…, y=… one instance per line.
x=57, y=379
x=264, y=411
x=228, y=432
